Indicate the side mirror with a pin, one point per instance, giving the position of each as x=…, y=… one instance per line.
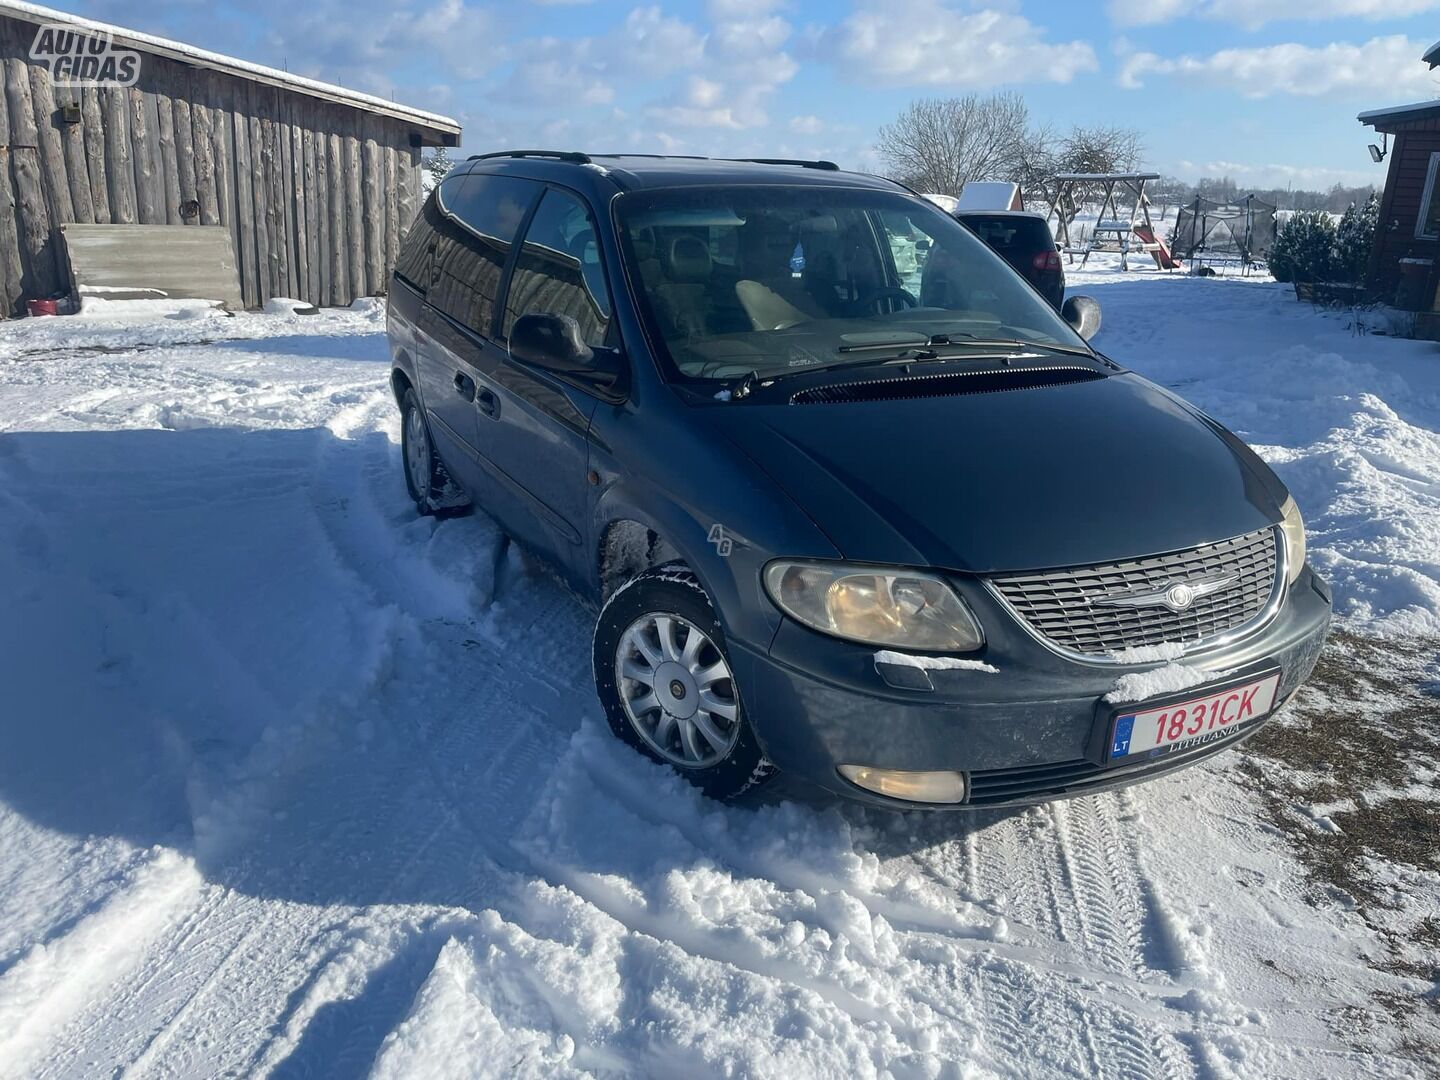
x=1083, y=314
x=552, y=342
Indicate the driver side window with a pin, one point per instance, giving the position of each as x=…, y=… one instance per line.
x=558, y=270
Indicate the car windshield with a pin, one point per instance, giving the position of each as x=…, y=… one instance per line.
x=779, y=280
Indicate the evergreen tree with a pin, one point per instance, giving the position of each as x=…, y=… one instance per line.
x=1305, y=248
x=1353, y=239
x=437, y=165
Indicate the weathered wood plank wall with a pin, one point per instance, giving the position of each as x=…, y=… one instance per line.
x=317, y=195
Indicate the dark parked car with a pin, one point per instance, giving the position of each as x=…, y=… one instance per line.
x=853, y=502
x=1024, y=240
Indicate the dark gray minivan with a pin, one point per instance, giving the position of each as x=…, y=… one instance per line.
x=853, y=501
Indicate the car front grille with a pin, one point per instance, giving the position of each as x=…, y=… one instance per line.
x=1061, y=607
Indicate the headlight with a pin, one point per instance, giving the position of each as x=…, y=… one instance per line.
x=874, y=604
x=1294, y=538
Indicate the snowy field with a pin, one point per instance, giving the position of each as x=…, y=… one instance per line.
x=294, y=782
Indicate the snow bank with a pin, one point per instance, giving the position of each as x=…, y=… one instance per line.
x=146, y=311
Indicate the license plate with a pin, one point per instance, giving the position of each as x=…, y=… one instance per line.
x=1188, y=724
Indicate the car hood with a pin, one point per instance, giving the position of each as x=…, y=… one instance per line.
x=1023, y=479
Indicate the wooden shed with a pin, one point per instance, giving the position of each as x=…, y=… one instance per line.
x=1407, y=236
x=315, y=183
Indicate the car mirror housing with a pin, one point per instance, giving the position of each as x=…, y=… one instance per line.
x=554, y=343
x=1082, y=313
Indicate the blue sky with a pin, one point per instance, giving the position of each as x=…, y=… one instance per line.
x=1246, y=88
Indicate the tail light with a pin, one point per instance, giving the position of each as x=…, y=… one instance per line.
x=1046, y=260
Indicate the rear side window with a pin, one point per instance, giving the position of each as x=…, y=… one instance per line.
x=479, y=216
x=558, y=270
x=412, y=265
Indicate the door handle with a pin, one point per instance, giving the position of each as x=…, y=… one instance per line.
x=465, y=386
x=487, y=402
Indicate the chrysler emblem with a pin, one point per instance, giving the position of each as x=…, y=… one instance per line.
x=1179, y=597
x=1175, y=595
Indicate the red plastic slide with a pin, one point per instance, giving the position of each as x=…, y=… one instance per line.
x=1163, y=259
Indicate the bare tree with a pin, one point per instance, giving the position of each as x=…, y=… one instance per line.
x=937, y=144
x=1036, y=166
x=1100, y=150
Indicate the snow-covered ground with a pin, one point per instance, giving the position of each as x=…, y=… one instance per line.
x=293, y=782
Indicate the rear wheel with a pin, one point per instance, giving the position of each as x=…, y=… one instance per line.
x=426, y=479
x=664, y=678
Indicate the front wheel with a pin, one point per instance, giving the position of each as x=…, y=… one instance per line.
x=664, y=679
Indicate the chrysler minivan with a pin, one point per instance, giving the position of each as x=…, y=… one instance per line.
x=885, y=522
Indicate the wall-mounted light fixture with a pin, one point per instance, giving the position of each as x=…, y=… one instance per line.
x=1377, y=153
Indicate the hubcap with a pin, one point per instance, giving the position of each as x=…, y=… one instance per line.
x=417, y=452
x=677, y=691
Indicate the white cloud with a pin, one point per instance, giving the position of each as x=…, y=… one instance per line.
x=807, y=125
x=1147, y=12
x=928, y=43
x=583, y=71
x=742, y=63
x=362, y=48
x=1383, y=67
x=662, y=43
x=550, y=71
x=1255, y=13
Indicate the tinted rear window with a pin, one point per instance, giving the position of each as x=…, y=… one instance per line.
x=1006, y=234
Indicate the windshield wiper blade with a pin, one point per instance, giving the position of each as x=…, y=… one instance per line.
x=913, y=340
x=960, y=337
x=1011, y=343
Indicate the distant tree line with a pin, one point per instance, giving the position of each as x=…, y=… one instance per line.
x=936, y=144
x=1336, y=200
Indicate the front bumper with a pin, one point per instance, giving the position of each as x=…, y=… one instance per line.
x=1028, y=733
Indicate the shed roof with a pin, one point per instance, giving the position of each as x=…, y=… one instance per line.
x=1395, y=114
x=189, y=54
x=988, y=195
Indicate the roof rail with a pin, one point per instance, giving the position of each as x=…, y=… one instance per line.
x=828, y=166
x=559, y=155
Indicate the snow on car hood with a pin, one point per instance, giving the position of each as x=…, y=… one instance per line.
x=1054, y=476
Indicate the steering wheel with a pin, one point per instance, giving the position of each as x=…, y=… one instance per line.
x=871, y=300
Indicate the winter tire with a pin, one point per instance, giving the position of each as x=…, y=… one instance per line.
x=665, y=681
x=426, y=478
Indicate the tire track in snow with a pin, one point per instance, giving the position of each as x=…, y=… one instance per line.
x=52, y=984
x=1066, y=874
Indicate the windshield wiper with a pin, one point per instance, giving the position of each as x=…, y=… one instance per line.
x=1008, y=343
x=919, y=351
x=919, y=344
